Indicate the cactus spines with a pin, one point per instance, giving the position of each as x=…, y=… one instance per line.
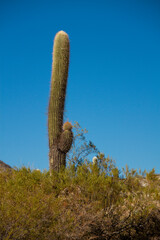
x=58, y=135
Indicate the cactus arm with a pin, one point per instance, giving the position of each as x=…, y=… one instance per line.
x=65, y=141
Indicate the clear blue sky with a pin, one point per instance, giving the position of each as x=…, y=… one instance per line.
x=113, y=85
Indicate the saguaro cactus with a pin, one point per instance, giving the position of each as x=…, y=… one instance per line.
x=60, y=135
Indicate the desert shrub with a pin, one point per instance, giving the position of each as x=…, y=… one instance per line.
x=90, y=201
x=81, y=146
x=83, y=201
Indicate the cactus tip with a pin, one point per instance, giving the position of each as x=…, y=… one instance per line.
x=62, y=33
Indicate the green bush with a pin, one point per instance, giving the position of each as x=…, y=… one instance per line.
x=83, y=202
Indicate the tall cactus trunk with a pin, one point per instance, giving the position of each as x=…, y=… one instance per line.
x=57, y=159
x=58, y=136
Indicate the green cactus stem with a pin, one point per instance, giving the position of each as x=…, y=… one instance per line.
x=60, y=140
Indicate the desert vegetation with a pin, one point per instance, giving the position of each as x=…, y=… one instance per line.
x=82, y=201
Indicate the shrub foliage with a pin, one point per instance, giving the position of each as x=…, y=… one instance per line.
x=84, y=202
